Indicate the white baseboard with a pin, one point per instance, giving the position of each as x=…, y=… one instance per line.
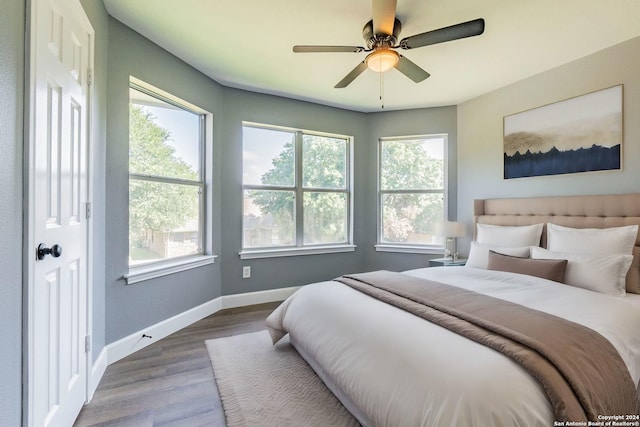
x=260, y=297
x=97, y=371
x=134, y=342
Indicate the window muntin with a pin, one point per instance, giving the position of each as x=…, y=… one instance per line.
x=412, y=191
x=166, y=179
x=296, y=188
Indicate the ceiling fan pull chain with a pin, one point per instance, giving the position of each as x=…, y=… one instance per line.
x=382, y=90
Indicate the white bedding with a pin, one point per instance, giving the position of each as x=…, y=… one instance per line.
x=358, y=345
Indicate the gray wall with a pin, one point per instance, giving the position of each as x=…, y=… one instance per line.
x=480, y=128
x=130, y=308
x=475, y=135
x=269, y=273
x=100, y=21
x=11, y=133
x=12, y=69
x=398, y=123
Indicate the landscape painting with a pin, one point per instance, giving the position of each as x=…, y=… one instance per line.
x=581, y=134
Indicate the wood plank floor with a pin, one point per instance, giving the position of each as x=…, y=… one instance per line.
x=170, y=382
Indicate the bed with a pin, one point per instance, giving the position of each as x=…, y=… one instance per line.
x=390, y=367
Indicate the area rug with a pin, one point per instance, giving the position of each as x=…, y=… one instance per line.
x=265, y=385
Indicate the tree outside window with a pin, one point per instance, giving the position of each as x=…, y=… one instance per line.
x=165, y=179
x=296, y=188
x=411, y=189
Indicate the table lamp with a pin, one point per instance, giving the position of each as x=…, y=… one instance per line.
x=450, y=230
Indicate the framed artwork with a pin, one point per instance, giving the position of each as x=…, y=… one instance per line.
x=580, y=134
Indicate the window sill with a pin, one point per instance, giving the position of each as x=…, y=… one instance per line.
x=147, y=272
x=409, y=249
x=316, y=250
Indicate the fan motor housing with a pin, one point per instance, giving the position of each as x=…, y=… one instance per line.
x=381, y=40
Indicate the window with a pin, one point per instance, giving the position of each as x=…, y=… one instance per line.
x=412, y=195
x=166, y=178
x=296, y=188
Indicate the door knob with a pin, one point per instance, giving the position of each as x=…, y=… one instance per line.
x=42, y=251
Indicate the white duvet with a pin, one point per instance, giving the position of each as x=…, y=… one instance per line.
x=391, y=368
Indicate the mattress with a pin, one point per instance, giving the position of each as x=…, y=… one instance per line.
x=391, y=368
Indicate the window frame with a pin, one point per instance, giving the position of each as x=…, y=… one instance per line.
x=149, y=270
x=411, y=247
x=298, y=189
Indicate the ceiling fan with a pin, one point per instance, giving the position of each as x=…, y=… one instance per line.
x=381, y=36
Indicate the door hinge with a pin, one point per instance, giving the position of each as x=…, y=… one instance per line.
x=87, y=210
x=87, y=343
x=89, y=77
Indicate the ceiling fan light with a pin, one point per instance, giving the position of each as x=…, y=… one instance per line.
x=382, y=60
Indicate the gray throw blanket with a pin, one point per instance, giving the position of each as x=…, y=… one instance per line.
x=581, y=372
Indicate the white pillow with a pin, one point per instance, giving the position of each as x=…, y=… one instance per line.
x=506, y=235
x=479, y=253
x=597, y=272
x=613, y=240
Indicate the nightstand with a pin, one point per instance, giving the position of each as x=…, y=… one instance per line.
x=446, y=262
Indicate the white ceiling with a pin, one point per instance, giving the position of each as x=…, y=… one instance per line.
x=247, y=44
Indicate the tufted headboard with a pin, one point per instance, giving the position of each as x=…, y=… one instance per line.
x=593, y=211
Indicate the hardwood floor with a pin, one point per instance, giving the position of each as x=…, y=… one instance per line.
x=170, y=382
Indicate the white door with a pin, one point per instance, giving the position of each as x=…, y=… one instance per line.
x=61, y=47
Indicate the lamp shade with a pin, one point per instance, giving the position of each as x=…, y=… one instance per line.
x=382, y=60
x=450, y=229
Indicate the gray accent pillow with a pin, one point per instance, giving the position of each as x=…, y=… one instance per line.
x=544, y=268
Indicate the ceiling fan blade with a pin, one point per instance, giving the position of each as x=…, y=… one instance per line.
x=454, y=32
x=352, y=75
x=312, y=49
x=384, y=16
x=411, y=70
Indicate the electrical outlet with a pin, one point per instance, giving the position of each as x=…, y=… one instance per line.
x=246, y=272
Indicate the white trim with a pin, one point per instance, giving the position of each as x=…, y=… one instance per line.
x=138, y=273
x=134, y=342
x=409, y=249
x=92, y=137
x=163, y=93
x=299, y=189
x=274, y=253
x=146, y=272
x=260, y=297
x=29, y=235
x=97, y=371
x=258, y=125
x=445, y=190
